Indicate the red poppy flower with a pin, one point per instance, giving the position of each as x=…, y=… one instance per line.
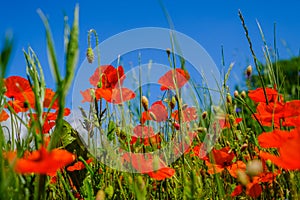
x=145, y=135
x=16, y=86
x=288, y=158
x=273, y=113
x=78, y=165
x=179, y=76
x=18, y=106
x=276, y=138
x=43, y=162
x=146, y=164
x=237, y=191
x=116, y=95
x=253, y=189
x=222, y=160
x=258, y=95
x=157, y=112
x=270, y=114
x=162, y=173
x=189, y=114
x=109, y=77
x=3, y=116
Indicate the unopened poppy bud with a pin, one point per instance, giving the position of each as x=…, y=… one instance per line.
x=243, y=94
x=141, y=183
x=229, y=98
x=236, y=94
x=172, y=103
x=109, y=190
x=202, y=130
x=204, y=115
x=249, y=71
x=244, y=147
x=242, y=177
x=90, y=55
x=176, y=126
x=100, y=195
x=168, y=50
x=254, y=168
x=145, y=103
x=184, y=106
x=152, y=115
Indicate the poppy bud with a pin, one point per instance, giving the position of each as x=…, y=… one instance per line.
x=236, y=94
x=244, y=147
x=141, y=183
x=204, y=115
x=172, y=103
x=242, y=177
x=152, y=115
x=109, y=190
x=100, y=195
x=229, y=98
x=243, y=94
x=254, y=168
x=168, y=50
x=145, y=103
x=176, y=126
x=184, y=106
x=249, y=71
x=90, y=55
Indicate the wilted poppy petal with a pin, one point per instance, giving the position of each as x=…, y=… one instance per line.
x=179, y=76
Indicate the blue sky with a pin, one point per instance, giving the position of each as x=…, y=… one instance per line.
x=211, y=23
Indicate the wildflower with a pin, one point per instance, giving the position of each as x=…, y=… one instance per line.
x=109, y=77
x=17, y=87
x=188, y=114
x=179, y=76
x=157, y=112
x=144, y=164
x=43, y=162
x=78, y=165
x=258, y=95
x=288, y=157
x=145, y=135
x=3, y=116
x=222, y=159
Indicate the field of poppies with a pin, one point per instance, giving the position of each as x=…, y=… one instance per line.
x=253, y=150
